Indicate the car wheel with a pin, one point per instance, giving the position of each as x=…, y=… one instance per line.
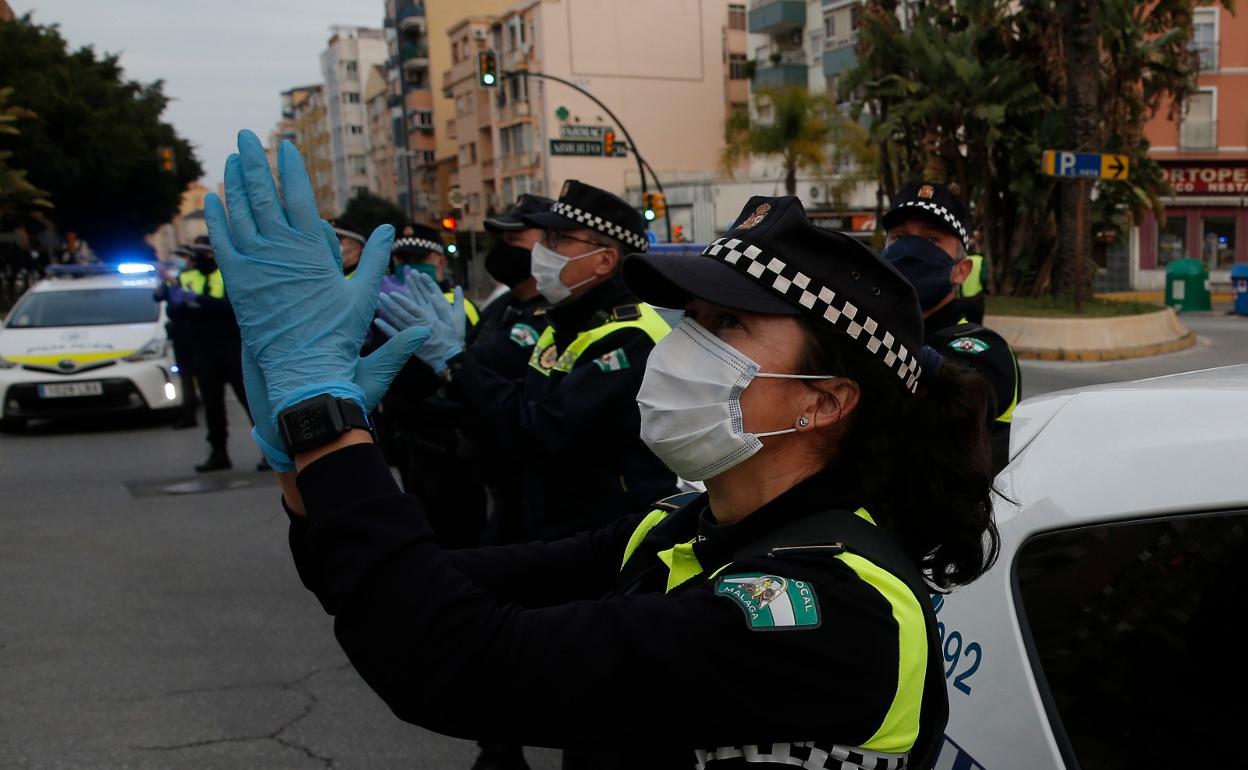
x=12, y=424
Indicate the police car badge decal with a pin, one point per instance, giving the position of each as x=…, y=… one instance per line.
x=772, y=602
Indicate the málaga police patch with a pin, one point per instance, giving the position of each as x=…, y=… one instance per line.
x=973, y=345
x=772, y=602
x=524, y=335
x=615, y=361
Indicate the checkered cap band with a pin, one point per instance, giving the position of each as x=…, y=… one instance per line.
x=944, y=214
x=595, y=222
x=417, y=243
x=821, y=300
x=811, y=755
x=342, y=232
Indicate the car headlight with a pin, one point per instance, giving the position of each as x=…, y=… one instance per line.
x=154, y=348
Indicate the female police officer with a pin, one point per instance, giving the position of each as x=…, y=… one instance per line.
x=779, y=618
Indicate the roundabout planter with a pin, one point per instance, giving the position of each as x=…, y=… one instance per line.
x=1093, y=339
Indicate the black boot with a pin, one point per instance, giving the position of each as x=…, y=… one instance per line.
x=500, y=757
x=217, y=461
x=186, y=421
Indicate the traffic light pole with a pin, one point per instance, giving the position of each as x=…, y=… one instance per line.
x=642, y=165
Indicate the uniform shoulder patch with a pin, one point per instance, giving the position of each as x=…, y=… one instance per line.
x=614, y=361
x=524, y=335
x=771, y=602
x=973, y=345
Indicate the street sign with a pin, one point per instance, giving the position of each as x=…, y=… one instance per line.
x=584, y=148
x=1086, y=165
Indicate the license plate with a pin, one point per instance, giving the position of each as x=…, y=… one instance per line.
x=71, y=390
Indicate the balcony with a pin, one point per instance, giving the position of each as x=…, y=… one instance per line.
x=518, y=161
x=787, y=69
x=839, y=55
x=1198, y=134
x=411, y=19
x=514, y=111
x=773, y=16
x=1206, y=55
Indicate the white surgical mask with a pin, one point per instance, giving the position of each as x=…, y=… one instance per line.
x=548, y=267
x=690, y=402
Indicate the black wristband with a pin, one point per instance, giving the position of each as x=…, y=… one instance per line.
x=318, y=421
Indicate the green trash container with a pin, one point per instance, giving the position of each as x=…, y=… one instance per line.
x=1187, y=286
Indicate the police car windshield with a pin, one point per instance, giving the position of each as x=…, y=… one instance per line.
x=85, y=307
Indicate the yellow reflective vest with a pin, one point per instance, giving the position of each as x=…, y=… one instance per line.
x=546, y=358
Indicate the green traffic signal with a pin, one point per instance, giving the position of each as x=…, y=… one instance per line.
x=648, y=214
x=488, y=79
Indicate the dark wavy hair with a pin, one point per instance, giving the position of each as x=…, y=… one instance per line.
x=923, y=460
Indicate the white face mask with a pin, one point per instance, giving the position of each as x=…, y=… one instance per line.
x=690, y=402
x=548, y=267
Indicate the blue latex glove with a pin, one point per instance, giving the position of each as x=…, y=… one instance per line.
x=373, y=375
x=301, y=318
x=418, y=307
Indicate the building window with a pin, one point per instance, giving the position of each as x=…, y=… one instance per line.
x=350, y=97
x=508, y=195
x=736, y=17
x=519, y=88
x=829, y=27
x=738, y=66
x=351, y=70
x=358, y=164
x=356, y=130
x=1104, y=603
x=1218, y=242
x=1205, y=38
x=1199, y=129
x=1172, y=240
x=360, y=191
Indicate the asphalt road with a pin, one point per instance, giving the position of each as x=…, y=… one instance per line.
x=150, y=619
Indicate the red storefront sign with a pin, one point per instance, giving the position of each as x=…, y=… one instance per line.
x=1207, y=178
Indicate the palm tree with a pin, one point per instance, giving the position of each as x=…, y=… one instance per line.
x=793, y=124
x=15, y=190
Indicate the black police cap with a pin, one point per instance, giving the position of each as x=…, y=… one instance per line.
x=581, y=205
x=418, y=242
x=346, y=228
x=775, y=261
x=932, y=202
x=513, y=220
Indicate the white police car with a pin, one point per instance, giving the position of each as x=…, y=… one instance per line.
x=87, y=339
x=1110, y=634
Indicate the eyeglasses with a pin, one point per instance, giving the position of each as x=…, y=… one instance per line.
x=553, y=239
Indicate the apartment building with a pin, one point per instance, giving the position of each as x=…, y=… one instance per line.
x=382, y=147
x=350, y=55
x=310, y=117
x=1205, y=157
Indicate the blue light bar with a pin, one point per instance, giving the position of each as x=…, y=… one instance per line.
x=79, y=271
x=135, y=268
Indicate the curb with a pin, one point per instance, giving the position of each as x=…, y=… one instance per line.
x=1093, y=339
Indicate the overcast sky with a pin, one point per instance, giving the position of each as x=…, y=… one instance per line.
x=224, y=62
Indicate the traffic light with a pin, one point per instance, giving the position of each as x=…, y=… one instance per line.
x=168, y=163
x=608, y=143
x=449, y=223
x=659, y=204
x=451, y=248
x=678, y=234
x=647, y=206
x=487, y=68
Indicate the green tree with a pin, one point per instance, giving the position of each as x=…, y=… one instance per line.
x=793, y=124
x=366, y=212
x=94, y=145
x=972, y=92
x=16, y=192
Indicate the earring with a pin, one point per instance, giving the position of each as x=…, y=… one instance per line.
x=802, y=422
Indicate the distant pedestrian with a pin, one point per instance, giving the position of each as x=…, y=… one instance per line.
x=76, y=251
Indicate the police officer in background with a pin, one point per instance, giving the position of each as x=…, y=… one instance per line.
x=519, y=314
x=780, y=619
x=973, y=292
x=927, y=242
x=216, y=349
x=351, y=244
x=175, y=297
x=571, y=425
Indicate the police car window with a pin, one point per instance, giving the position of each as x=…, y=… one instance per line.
x=1138, y=629
x=85, y=307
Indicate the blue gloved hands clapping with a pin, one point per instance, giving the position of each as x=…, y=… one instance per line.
x=422, y=305
x=302, y=321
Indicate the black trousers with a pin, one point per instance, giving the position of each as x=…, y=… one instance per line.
x=217, y=364
x=183, y=354
x=973, y=308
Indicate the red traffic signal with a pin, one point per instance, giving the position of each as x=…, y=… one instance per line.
x=608, y=143
x=449, y=223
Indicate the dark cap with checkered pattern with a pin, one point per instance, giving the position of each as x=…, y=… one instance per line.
x=934, y=203
x=581, y=205
x=775, y=261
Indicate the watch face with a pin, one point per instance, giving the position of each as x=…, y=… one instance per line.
x=308, y=425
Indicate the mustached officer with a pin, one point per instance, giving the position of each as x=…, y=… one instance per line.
x=927, y=242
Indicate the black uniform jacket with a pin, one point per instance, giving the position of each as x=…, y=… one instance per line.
x=986, y=352
x=507, y=332
x=576, y=436
x=517, y=644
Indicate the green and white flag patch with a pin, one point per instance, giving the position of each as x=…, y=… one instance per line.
x=969, y=345
x=524, y=335
x=614, y=361
x=771, y=601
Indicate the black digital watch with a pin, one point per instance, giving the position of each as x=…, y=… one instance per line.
x=318, y=421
